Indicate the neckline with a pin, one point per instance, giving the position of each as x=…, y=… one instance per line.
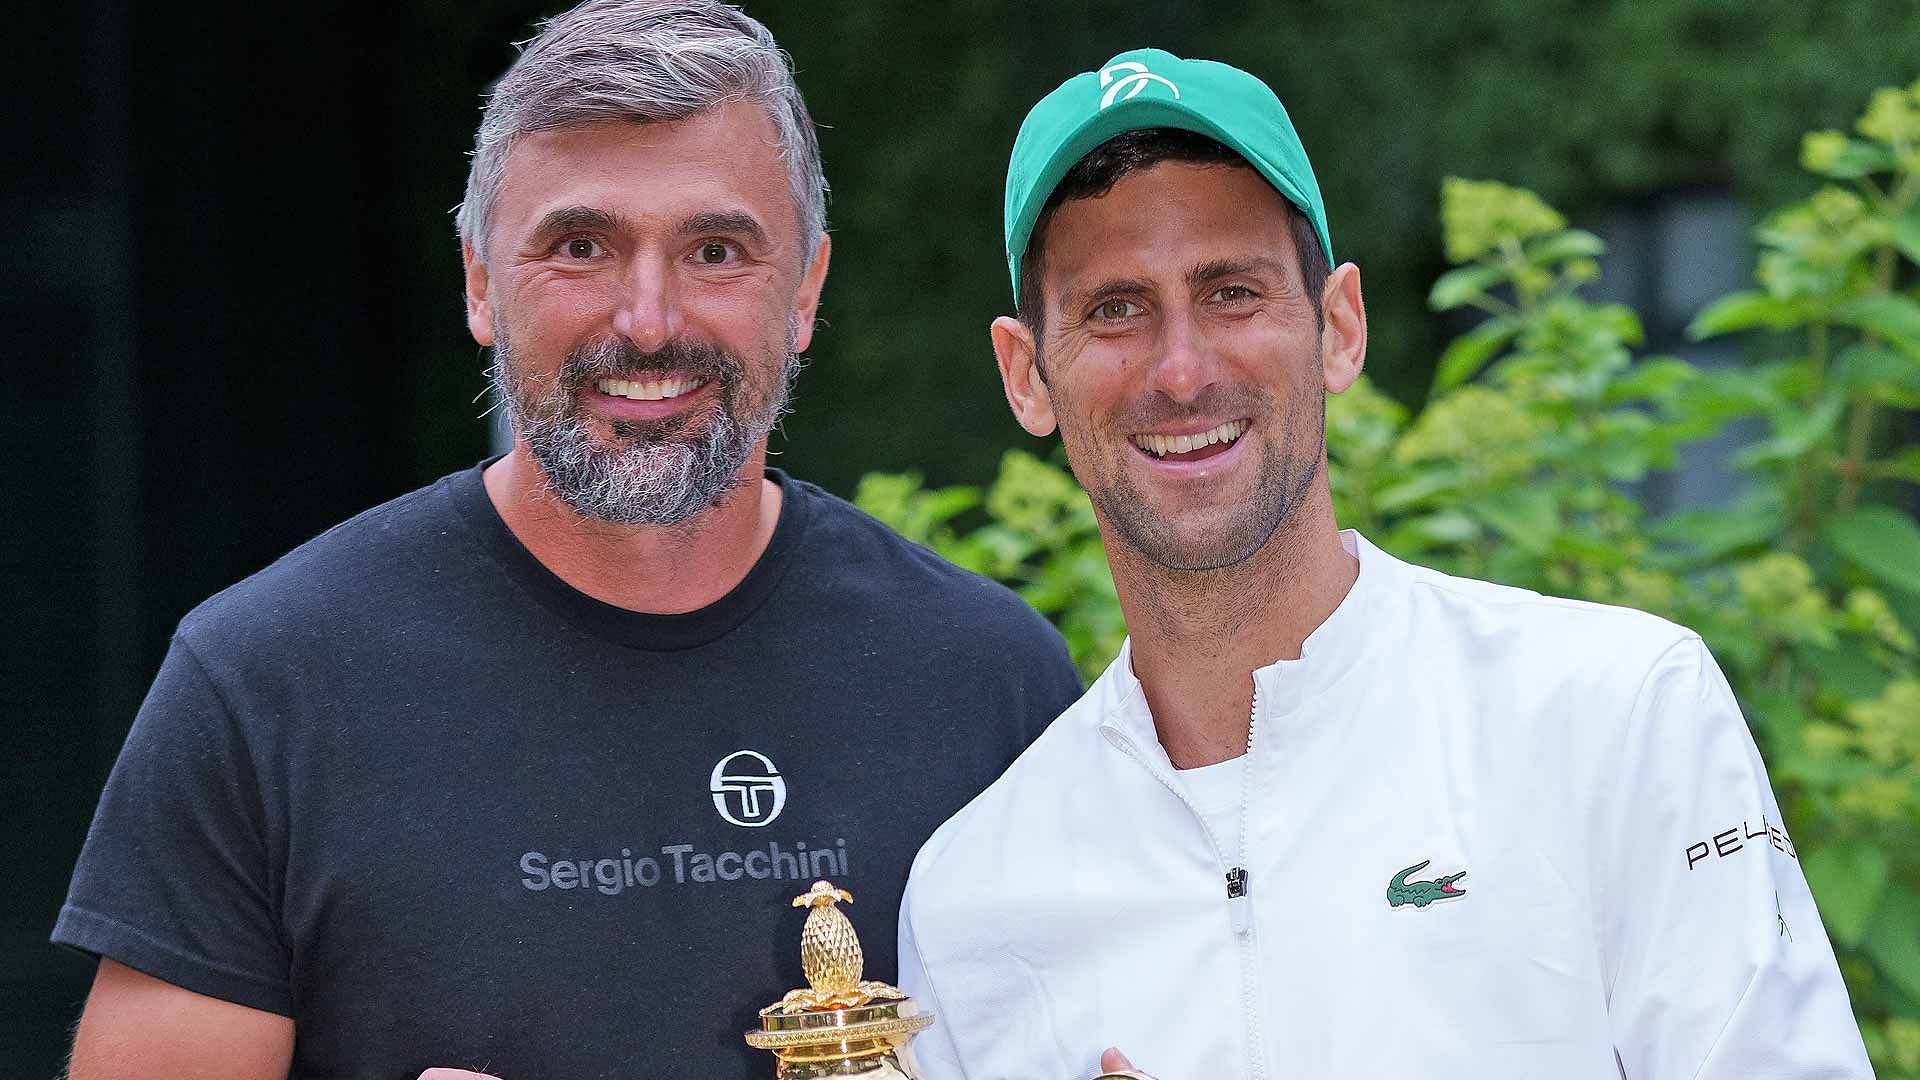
x=618, y=625
x=1217, y=787
x=1326, y=656
x=1337, y=643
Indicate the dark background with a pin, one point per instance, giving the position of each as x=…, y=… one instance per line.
x=230, y=294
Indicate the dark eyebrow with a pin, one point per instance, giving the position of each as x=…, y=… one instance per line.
x=565, y=220
x=726, y=222
x=569, y=219
x=1219, y=268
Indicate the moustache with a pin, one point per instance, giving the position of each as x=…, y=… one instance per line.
x=1156, y=409
x=618, y=358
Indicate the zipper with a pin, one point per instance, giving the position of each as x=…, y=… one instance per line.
x=1243, y=922
x=1239, y=886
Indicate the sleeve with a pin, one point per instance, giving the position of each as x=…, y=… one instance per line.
x=1721, y=968
x=173, y=880
x=934, y=1050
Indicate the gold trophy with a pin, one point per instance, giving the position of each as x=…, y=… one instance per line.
x=839, y=1025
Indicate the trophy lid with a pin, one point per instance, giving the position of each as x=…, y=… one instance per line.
x=837, y=1007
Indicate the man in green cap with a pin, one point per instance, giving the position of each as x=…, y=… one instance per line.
x=1328, y=813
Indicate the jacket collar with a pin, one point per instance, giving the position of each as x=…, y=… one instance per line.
x=1286, y=686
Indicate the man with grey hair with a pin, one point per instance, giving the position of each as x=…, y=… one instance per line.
x=517, y=772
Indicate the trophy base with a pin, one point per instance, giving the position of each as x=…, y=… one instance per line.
x=867, y=1041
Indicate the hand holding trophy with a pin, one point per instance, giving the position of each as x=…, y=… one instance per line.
x=839, y=1025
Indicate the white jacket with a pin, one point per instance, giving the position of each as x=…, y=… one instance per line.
x=1632, y=904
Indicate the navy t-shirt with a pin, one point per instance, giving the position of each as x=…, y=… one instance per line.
x=409, y=788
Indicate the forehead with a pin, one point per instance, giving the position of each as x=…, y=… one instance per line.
x=1164, y=220
x=723, y=158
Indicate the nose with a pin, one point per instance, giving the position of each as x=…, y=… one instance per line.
x=649, y=312
x=1187, y=361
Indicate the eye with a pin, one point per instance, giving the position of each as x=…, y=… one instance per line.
x=1116, y=308
x=1231, y=293
x=580, y=247
x=714, y=253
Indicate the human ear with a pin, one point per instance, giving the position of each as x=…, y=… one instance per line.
x=479, y=304
x=1014, y=349
x=1343, y=328
x=807, y=301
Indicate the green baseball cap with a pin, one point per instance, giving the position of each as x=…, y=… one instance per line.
x=1148, y=88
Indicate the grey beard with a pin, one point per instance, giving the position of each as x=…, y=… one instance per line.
x=661, y=474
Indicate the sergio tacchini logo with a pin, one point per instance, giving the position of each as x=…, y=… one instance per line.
x=747, y=789
x=1133, y=82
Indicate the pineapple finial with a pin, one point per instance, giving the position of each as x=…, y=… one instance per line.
x=829, y=949
x=830, y=955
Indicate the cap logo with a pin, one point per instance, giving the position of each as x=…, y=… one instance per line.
x=1135, y=81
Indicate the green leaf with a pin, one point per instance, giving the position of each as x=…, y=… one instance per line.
x=1527, y=516
x=1906, y=233
x=1895, y=318
x=996, y=547
x=1622, y=321
x=1857, y=160
x=946, y=503
x=1470, y=351
x=1795, y=433
x=1623, y=458
x=1848, y=880
x=1717, y=396
x=1651, y=379
x=1892, y=940
x=1741, y=311
x=1860, y=366
x=1848, y=671
x=1713, y=533
x=1882, y=541
x=1444, y=529
x=1407, y=493
x=899, y=500
x=1456, y=287
x=1561, y=246
x=1880, y=375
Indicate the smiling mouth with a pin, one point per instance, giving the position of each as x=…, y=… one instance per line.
x=650, y=390
x=1206, y=444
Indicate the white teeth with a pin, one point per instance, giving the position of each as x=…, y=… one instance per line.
x=656, y=390
x=1162, y=445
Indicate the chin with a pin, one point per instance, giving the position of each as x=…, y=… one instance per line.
x=1190, y=542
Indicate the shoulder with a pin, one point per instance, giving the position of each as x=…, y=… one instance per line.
x=1036, y=800
x=1532, y=635
x=863, y=561
x=1571, y=689
x=350, y=573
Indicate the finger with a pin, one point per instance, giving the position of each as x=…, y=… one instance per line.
x=455, y=1074
x=1110, y=1061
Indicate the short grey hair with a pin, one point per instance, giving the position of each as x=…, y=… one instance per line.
x=645, y=61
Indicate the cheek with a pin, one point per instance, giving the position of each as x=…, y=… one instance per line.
x=746, y=318
x=555, y=309
x=1106, y=405
x=1092, y=377
x=1086, y=418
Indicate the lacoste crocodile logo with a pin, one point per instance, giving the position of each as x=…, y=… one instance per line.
x=1421, y=893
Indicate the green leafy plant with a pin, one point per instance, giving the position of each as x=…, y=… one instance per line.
x=1523, y=467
